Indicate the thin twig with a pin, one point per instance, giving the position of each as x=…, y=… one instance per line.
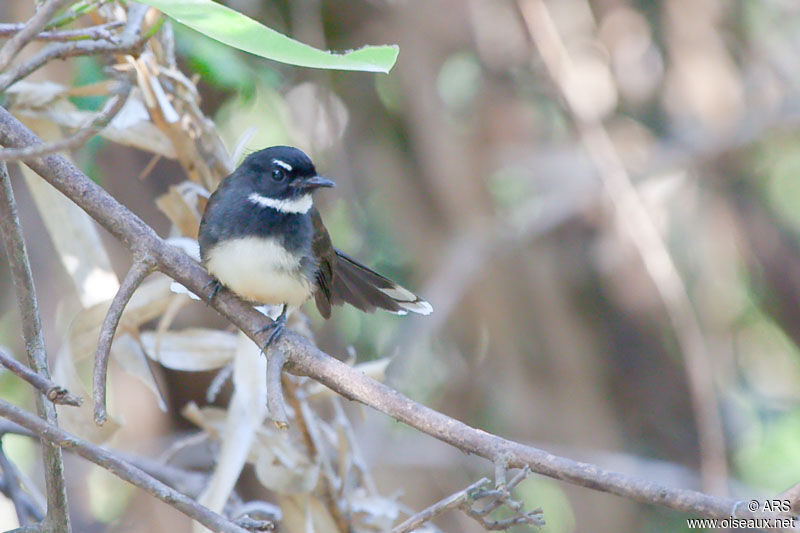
x=131, y=39
x=497, y=500
x=443, y=505
x=647, y=240
x=303, y=358
x=20, y=266
x=92, y=32
x=465, y=500
x=28, y=512
x=141, y=268
x=53, y=392
x=32, y=27
x=77, y=139
x=119, y=467
x=276, y=359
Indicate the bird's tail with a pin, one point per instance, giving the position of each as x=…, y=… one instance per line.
x=367, y=290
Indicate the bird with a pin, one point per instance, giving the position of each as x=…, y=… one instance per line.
x=262, y=238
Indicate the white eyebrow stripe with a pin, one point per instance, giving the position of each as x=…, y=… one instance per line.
x=283, y=164
x=296, y=206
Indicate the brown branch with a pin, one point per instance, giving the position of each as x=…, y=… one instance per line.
x=645, y=237
x=276, y=360
x=141, y=268
x=53, y=392
x=80, y=137
x=445, y=504
x=29, y=31
x=93, y=32
x=305, y=359
x=119, y=467
x=11, y=232
x=130, y=40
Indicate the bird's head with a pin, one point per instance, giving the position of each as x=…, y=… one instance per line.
x=281, y=174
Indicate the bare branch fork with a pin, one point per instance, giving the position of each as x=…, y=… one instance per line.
x=121, y=468
x=29, y=30
x=303, y=358
x=130, y=39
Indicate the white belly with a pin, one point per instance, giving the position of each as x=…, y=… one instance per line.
x=259, y=270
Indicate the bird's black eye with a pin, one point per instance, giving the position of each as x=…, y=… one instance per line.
x=278, y=174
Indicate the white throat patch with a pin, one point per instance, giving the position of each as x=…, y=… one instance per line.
x=297, y=206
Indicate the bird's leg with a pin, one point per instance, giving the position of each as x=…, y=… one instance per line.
x=276, y=328
x=214, y=285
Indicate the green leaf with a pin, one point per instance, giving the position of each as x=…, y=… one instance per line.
x=234, y=29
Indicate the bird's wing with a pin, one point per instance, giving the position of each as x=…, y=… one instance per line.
x=367, y=290
x=342, y=279
x=325, y=256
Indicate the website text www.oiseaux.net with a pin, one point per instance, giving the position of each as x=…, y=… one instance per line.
x=741, y=523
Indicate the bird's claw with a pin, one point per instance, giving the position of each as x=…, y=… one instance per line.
x=275, y=328
x=214, y=285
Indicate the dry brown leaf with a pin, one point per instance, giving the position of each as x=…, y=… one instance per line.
x=191, y=350
x=280, y=467
x=170, y=313
x=209, y=419
x=130, y=127
x=180, y=204
x=75, y=237
x=128, y=354
x=34, y=95
x=305, y=514
x=149, y=301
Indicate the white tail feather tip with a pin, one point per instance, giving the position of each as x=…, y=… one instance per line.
x=408, y=300
x=399, y=294
x=421, y=306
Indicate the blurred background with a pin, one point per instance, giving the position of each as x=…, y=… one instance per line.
x=473, y=174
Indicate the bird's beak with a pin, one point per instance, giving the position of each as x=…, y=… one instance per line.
x=313, y=182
